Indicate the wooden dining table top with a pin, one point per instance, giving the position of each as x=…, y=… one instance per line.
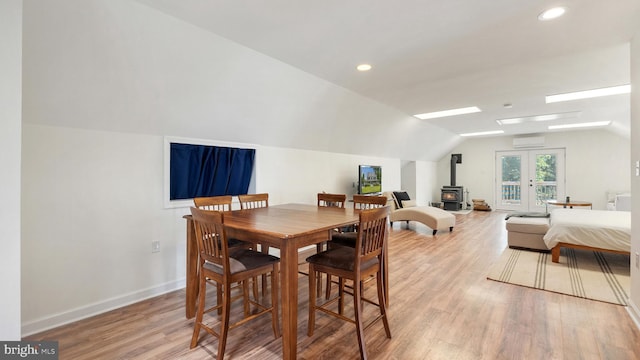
x=288, y=221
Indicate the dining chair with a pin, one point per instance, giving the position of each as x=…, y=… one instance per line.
x=348, y=238
x=332, y=200
x=256, y=201
x=214, y=203
x=223, y=203
x=356, y=264
x=369, y=201
x=327, y=200
x=360, y=202
x=224, y=266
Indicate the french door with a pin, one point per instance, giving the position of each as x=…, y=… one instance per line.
x=526, y=179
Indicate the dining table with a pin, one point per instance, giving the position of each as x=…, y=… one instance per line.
x=287, y=227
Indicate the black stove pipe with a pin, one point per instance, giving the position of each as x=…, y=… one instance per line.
x=455, y=159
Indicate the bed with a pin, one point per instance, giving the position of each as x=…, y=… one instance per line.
x=598, y=230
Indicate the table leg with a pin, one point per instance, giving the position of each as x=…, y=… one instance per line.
x=192, y=271
x=289, y=291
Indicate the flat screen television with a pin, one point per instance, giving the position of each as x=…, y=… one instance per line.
x=369, y=179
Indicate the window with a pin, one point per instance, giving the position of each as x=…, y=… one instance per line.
x=195, y=168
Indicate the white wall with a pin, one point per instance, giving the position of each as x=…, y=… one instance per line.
x=635, y=180
x=418, y=179
x=10, y=139
x=591, y=172
x=409, y=178
x=298, y=175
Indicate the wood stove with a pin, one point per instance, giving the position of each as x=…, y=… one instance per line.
x=452, y=196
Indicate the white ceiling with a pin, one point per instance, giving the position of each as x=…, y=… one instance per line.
x=433, y=55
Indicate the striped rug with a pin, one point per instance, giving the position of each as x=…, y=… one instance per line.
x=587, y=274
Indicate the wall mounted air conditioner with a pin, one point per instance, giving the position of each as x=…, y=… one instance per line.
x=528, y=142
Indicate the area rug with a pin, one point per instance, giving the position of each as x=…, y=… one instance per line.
x=586, y=274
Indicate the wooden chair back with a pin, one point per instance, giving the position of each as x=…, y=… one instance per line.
x=254, y=201
x=213, y=203
x=211, y=238
x=332, y=200
x=368, y=202
x=372, y=234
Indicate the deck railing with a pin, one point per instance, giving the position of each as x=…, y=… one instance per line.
x=511, y=192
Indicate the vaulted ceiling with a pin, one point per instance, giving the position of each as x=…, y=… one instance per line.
x=432, y=55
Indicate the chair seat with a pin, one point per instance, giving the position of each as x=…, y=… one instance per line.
x=340, y=258
x=243, y=259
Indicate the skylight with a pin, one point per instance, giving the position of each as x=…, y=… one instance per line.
x=534, y=118
x=580, y=125
x=494, y=132
x=614, y=90
x=444, y=113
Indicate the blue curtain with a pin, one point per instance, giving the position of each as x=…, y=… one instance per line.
x=200, y=170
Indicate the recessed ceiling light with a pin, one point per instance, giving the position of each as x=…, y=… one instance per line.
x=581, y=125
x=552, y=13
x=452, y=112
x=614, y=90
x=494, y=132
x=546, y=117
x=364, y=67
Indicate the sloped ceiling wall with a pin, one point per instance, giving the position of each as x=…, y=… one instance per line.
x=122, y=66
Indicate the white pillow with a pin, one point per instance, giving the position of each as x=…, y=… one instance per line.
x=408, y=203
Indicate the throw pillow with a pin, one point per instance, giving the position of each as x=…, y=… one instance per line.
x=408, y=203
x=400, y=196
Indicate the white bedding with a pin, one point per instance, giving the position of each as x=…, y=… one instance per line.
x=596, y=228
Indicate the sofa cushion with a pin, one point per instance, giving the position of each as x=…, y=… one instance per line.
x=399, y=196
x=408, y=203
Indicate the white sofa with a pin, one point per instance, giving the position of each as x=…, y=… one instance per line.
x=434, y=218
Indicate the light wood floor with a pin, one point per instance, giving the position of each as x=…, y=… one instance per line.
x=441, y=307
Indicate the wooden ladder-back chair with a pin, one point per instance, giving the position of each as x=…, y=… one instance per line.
x=327, y=200
x=369, y=202
x=214, y=203
x=223, y=203
x=356, y=264
x=225, y=266
x=360, y=202
x=348, y=238
x=332, y=200
x=256, y=201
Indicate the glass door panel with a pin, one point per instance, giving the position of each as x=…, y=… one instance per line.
x=528, y=178
x=510, y=180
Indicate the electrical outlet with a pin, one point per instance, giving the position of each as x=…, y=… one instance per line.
x=155, y=246
x=637, y=261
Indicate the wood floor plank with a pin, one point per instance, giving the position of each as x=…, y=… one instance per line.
x=442, y=307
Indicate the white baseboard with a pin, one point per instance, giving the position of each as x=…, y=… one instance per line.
x=634, y=312
x=83, y=312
